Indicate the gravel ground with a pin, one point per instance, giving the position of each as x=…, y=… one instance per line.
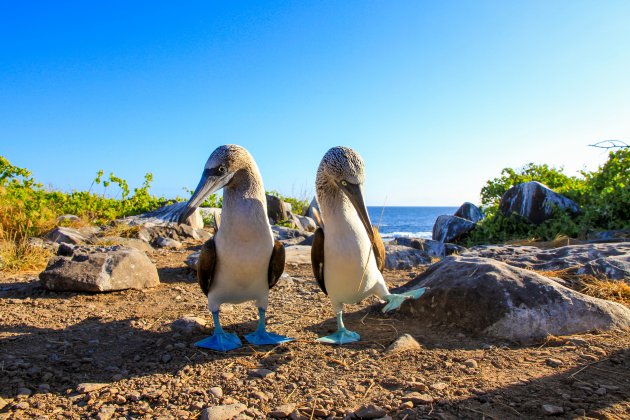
x=117, y=355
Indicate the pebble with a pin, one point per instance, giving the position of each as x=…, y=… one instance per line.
x=403, y=343
x=43, y=388
x=22, y=405
x=261, y=373
x=370, y=412
x=259, y=396
x=578, y=342
x=166, y=358
x=86, y=387
x=439, y=386
x=552, y=410
x=188, y=324
x=133, y=396
x=554, y=362
x=282, y=411
x=418, y=386
x=601, y=391
x=471, y=364
x=406, y=405
x=106, y=412
x=120, y=399
x=222, y=412
x=417, y=398
x=216, y=391
x=167, y=243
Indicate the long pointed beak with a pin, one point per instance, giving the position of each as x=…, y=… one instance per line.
x=355, y=194
x=208, y=184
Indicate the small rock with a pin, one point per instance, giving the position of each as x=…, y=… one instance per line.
x=259, y=396
x=601, y=391
x=439, y=386
x=403, y=343
x=167, y=243
x=22, y=405
x=552, y=410
x=554, y=362
x=370, y=412
x=418, y=386
x=282, y=411
x=578, y=342
x=120, y=399
x=216, y=391
x=471, y=364
x=166, y=358
x=261, y=373
x=106, y=412
x=417, y=398
x=406, y=405
x=222, y=412
x=68, y=218
x=43, y=388
x=133, y=396
x=188, y=324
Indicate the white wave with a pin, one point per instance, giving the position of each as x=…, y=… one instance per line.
x=421, y=235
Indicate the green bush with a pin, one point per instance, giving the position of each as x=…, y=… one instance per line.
x=603, y=195
x=297, y=206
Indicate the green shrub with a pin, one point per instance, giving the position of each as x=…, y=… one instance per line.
x=603, y=195
x=297, y=206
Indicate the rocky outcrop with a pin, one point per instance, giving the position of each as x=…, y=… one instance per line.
x=535, y=202
x=607, y=260
x=277, y=209
x=488, y=297
x=66, y=235
x=290, y=236
x=433, y=248
x=98, y=269
x=451, y=228
x=165, y=215
x=399, y=257
x=304, y=223
x=469, y=211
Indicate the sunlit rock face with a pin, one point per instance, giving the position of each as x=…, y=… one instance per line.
x=535, y=202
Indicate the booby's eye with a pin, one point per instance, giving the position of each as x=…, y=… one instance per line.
x=344, y=183
x=222, y=169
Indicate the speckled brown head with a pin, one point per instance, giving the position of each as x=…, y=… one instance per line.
x=343, y=170
x=224, y=166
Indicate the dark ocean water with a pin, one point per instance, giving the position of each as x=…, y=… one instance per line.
x=415, y=222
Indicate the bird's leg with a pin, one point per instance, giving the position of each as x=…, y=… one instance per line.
x=395, y=300
x=220, y=340
x=261, y=336
x=342, y=336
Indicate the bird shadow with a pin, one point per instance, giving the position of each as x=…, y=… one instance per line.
x=104, y=351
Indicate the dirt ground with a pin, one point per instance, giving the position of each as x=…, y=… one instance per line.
x=115, y=355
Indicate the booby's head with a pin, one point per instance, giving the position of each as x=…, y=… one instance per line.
x=342, y=168
x=219, y=170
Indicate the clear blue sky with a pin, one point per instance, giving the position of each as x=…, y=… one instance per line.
x=437, y=96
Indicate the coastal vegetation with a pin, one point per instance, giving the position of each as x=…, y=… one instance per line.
x=603, y=196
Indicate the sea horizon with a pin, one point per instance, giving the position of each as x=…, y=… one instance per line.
x=407, y=221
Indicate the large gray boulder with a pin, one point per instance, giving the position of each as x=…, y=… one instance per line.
x=399, y=257
x=487, y=297
x=602, y=260
x=99, y=269
x=290, y=236
x=451, y=228
x=304, y=223
x=66, y=235
x=277, y=209
x=165, y=215
x=433, y=248
x=469, y=211
x=535, y=202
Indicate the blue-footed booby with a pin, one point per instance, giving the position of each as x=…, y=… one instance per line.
x=348, y=254
x=242, y=261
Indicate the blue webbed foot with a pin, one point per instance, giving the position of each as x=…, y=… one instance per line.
x=342, y=336
x=220, y=341
x=394, y=301
x=263, y=338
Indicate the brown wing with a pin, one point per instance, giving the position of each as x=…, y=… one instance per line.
x=205, y=265
x=379, y=250
x=276, y=264
x=317, y=258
